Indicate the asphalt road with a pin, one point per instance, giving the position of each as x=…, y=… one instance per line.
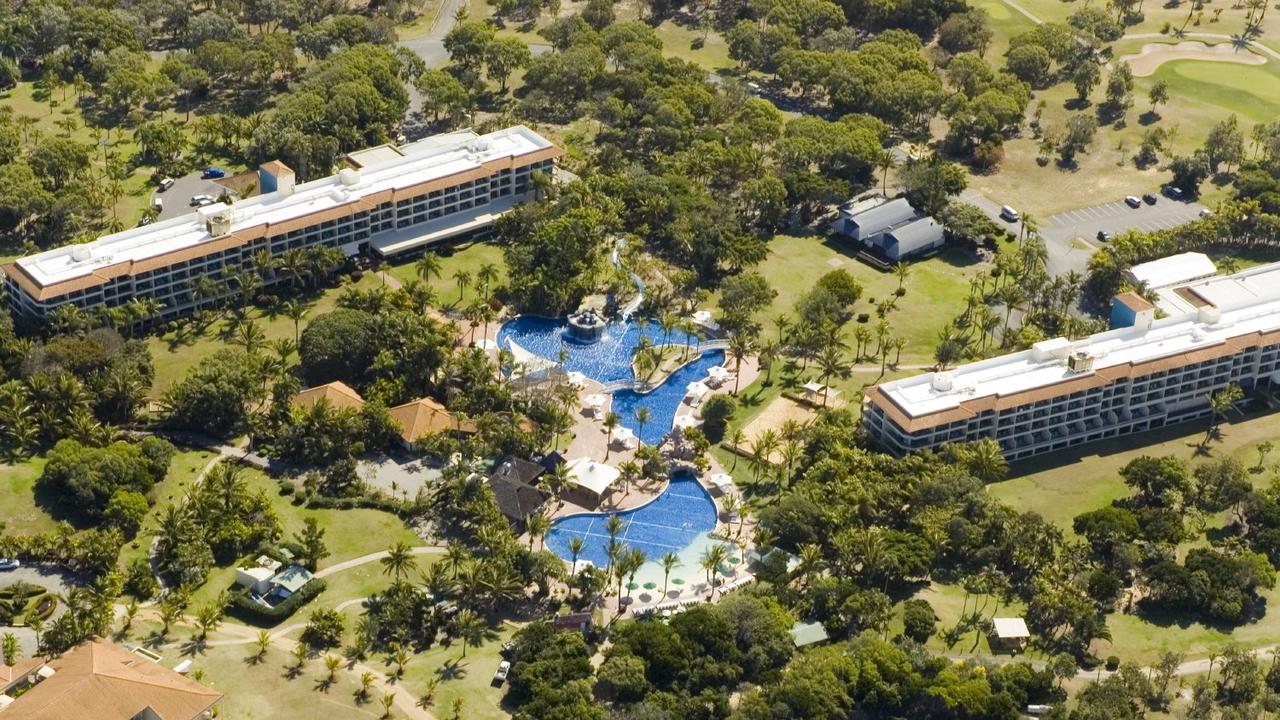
x=51, y=578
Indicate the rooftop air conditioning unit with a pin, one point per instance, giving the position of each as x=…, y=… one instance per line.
x=80, y=253
x=1080, y=362
x=348, y=176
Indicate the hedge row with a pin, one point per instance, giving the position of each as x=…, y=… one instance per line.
x=369, y=502
x=255, y=613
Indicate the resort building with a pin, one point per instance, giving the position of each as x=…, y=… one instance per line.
x=892, y=230
x=390, y=201
x=99, y=679
x=1061, y=393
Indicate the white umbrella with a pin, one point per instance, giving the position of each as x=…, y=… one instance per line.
x=722, y=480
x=718, y=372
x=686, y=421
x=577, y=379
x=594, y=400
x=702, y=316
x=622, y=434
x=697, y=389
x=487, y=344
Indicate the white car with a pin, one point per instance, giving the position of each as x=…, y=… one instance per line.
x=9, y=564
x=1205, y=212
x=202, y=200
x=500, y=675
x=165, y=184
x=1009, y=214
x=1133, y=201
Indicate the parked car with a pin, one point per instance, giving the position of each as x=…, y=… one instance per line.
x=754, y=88
x=1132, y=201
x=1205, y=212
x=508, y=650
x=1149, y=198
x=165, y=184
x=201, y=200
x=157, y=203
x=213, y=173
x=1173, y=192
x=1009, y=214
x=9, y=564
x=500, y=675
x=1104, y=236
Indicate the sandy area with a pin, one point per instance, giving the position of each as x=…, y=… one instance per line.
x=1154, y=55
x=772, y=417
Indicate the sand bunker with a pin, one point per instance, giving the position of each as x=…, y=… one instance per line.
x=1154, y=55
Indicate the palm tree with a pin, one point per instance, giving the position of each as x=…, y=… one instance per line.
x=387, y=701
x=740, y=347
x=470, y=627
x=398, y=561
x=331, y=664
x=295, y=311
x=575, y=549
x=831, y=362
x=810, y=561
x=463, y=278
x=366, y=682
x=628, y=566
x=485, y=275
x=669, y=563
x=400, y=657
x=902, y=270
x=539, y=525
x=611, y=421
x=300, y=653
x=886, y=162
x=262, y=643
x=642, y=417
x=427, y=267
x=712, y=558
x=987, y=461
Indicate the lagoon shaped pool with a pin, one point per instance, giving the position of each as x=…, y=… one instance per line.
x=673, y=521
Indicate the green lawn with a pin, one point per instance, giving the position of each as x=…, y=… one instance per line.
x=265, y=691
x=466, y=678
x=175, y=353
x=348, y=533
x=466, y=258
x=183, y=470
x=18, y=510
x=678, y=41
x=1069, y=483
x=949, y=602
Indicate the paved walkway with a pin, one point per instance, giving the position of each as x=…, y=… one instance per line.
x=373, y=557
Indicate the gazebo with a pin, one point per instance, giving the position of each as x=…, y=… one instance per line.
x=818, y=394
x=591, y=476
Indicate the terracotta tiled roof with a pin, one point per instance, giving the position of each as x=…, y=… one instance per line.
x=1134, y=301
x=423, y=417
x=275, y=168
x=11, y=673
x=337, y=393
x=99, y=679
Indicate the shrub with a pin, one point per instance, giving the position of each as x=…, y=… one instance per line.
x=139, y=582
x=324, y=629
x=254, y=613
x=1113, y=663
x=715, y=414
x=918, y=619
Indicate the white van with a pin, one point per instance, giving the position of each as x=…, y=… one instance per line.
x=1009, y=214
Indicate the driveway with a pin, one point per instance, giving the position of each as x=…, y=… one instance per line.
x=399, y=477
x=52, y=578
x=177, y=199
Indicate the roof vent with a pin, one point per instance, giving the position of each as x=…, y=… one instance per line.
x=1209, y=314
x=338, y=195
x=348, y=177
x=81, y=253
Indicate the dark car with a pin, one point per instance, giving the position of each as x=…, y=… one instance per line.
x=508, y=650
x=1132, y=201
x=1173, y=192
x=1104, y=236
x=213, y=173
x=1149, y=198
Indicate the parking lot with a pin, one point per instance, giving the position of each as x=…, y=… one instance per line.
x=177, y=199
x=1116, y=217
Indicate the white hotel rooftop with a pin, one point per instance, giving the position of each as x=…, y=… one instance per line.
x=381, y=169
x=1230, y=307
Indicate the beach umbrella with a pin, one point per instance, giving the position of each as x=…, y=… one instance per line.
x=677, y=581
x=577, y=379
x=632, y=586
x=686, y=421
x=650, y=585
x=594, y=400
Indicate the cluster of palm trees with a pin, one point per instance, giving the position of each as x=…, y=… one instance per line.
x=787, y=442
x=1018, y=282
x=48, y=406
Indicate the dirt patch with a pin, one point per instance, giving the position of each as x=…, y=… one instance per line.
x=774, y=415
x=1154, y=55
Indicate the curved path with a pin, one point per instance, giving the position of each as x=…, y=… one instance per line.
x=371, y=557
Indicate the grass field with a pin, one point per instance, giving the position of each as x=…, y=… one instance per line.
x=18, y=510
x=463, y=258
x=1066, y=484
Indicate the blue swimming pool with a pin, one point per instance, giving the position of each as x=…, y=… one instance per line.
x=670, y=523
x=664, y=400
x=606, y=361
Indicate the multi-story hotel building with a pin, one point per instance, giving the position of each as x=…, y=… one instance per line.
x=1218, y=331
x=390, y=201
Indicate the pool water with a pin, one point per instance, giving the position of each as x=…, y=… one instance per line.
x=664, y=400
x=678, y=517
x=606, y=361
